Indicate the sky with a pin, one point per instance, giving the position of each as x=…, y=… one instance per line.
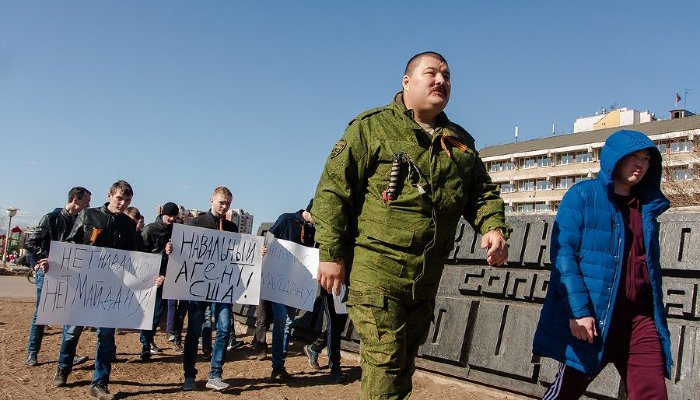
x=179, y=97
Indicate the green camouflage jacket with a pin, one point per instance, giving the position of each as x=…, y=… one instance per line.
x=400, y=246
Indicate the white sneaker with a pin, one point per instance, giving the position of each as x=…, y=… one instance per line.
x=217, y=384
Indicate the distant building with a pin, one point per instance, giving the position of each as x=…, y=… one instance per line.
x=533, y=175
x=612, y=119
x=264, y=228
x=241, y=218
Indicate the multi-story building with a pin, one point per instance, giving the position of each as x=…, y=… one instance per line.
x=241, y=218
x=533, y=175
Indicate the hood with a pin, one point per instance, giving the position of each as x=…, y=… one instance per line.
x=622, y=143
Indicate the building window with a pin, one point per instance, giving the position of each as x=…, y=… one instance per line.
x=508, y=166
x=528, y=163
x=681, y=146
x=542, y=184
x=681, y=174
x=555, y=206
x=541, y=208
x=582, y=178
x=584, y=157
x=544, y=161
x=566, y=158
x=565, y=182
x=525, y=208
x=507, y=188
x=662, y=146
x=508, y=209
x=527, y=186
x=496, y=166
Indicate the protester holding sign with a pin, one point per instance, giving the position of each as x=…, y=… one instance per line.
x=105, y=226
x=214, y=219
x=55, y=225
x=299, y=228
x=155, y=236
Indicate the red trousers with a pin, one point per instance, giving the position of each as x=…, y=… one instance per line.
x=635, y=350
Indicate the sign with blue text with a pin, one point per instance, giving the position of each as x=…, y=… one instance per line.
x=215, y=266
x=99, y=287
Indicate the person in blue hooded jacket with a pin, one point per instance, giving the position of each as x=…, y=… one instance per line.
x=604, y=301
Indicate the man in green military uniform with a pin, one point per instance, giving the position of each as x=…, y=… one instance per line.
x=387, y=207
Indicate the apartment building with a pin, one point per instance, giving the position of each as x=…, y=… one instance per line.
x=533, y=175
x=241, y=218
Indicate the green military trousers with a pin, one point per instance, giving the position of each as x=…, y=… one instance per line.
x=391, y=329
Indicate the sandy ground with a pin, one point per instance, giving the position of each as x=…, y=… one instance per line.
x=162, y=377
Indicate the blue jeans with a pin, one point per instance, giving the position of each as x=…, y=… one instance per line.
x=69, y=344
x=282, y=317
x=103, y=358
x=147, y=336
x=222, y=313
x=206, y=329
x=36, y=332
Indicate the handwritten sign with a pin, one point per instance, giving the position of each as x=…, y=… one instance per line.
x=100, y=287
x=289, y=273
x=215, y=266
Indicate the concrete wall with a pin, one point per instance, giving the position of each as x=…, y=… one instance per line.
x=485, y=317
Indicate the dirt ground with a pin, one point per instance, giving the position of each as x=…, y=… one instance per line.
x=161, y=378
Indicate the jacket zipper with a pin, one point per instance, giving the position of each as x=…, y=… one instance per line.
x=432, y=198
x=612, y=288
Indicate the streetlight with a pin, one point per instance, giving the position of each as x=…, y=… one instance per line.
x=11, y=212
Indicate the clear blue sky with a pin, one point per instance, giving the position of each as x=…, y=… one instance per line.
x=178, y=97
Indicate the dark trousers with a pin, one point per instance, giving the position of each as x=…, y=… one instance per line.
x=147, y=335
x=263, y=319
x=333, y=325
x=177, y=309
x=635, y=350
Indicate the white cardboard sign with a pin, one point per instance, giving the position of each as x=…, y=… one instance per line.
x=215, y=266
x=99, y=287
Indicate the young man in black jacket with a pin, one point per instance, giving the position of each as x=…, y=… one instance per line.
x=155, y=236
x=106, y=226
x=55, y=225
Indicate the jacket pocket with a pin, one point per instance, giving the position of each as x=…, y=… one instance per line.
x=400, y=236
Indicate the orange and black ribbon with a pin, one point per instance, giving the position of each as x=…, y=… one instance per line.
x=454, y=142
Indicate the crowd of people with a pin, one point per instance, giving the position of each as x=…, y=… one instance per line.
x=384, y=217
x=117, y=225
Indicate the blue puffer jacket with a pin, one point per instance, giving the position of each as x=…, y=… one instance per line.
x=586, y=254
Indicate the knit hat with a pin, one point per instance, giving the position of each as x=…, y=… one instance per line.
x=170, y=208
